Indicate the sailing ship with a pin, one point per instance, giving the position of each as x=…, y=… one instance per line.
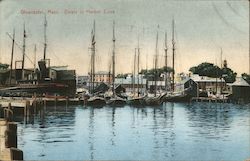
x=114, y=100
x=46, y=80
x=136, y=99
x=156, y=99
x=94, y=100
x=183, y=96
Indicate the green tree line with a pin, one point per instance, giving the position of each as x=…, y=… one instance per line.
x=211, y=70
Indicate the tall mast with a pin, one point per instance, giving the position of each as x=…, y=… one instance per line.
x=113, y=59
x=45, y=38
x=12, y=53
x=221, y=70
x=23, y=60
x=93, y=48
x=138, y=67
x=166, y=60
x=34, y=59
x=156, y=61
x=221, y=63
x=134, y=73
x=109, y=72
x=93, y=57
x=216, y=85
x=146, y=71
x=173, y=43
x=166, y=50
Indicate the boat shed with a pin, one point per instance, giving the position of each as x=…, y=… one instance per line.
x=240, y=90
x=208, y=83
x=188, y=86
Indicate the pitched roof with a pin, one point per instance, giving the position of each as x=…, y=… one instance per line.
x=240, y=82
x=102, y=73
x=198, y=78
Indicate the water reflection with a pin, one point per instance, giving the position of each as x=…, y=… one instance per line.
x=211, y=121
x=171, y=131
x=113, y=127
x=91, y=132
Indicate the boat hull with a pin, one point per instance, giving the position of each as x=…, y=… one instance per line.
x=40, y=90
x=116, y=102
x=180, y=98
x=136, y=101
x=97, y=102
x=154, y=101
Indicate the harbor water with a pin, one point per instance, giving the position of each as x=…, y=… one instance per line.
x=172, y=131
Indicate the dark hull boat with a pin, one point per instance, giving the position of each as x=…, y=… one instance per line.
x=154, y=101
x=43, y=81
x=96, y=101
x=41, y=89
x=116, y=101
x=179, y=98
x=136, y=101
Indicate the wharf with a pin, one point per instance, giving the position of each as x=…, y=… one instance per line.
x=30, y=106
x=8, y=141
x=21, y=102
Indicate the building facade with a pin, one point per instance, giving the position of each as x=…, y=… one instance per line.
x=103, y=76
x=82, y=81
x=212, y=85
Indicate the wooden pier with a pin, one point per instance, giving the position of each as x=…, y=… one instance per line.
x=8, y=141
x=30, y=106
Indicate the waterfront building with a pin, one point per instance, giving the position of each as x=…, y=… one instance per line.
x=130, y=83
x=159, y=84
x=99, y=78
x=103, y=76
x=187, y=86
x=82, y=81
x=240, y=90
x=3, y=73
x=212, y=85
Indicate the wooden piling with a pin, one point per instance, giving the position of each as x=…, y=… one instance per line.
x=44, y=104
x=55, y=101
x=28, y=108
x=34, y=105
x=11, y=135
x=16, y=154
x=8, y=141
x=8, y=113
x=67, y=101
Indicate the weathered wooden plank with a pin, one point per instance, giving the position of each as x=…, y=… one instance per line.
x=8, y=141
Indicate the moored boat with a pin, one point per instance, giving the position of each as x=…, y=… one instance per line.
x=136, y=101
x=155, y=100
x=96, y=101
x=116, y=101
x=178, y=98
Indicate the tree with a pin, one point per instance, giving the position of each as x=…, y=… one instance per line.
x=246, y=77
x=4, y=66
x=211, y=70
x=229, y=75
x=206, y=69
x=121, y=75
x=150, y=74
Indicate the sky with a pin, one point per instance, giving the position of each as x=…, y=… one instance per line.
x=202, y=29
